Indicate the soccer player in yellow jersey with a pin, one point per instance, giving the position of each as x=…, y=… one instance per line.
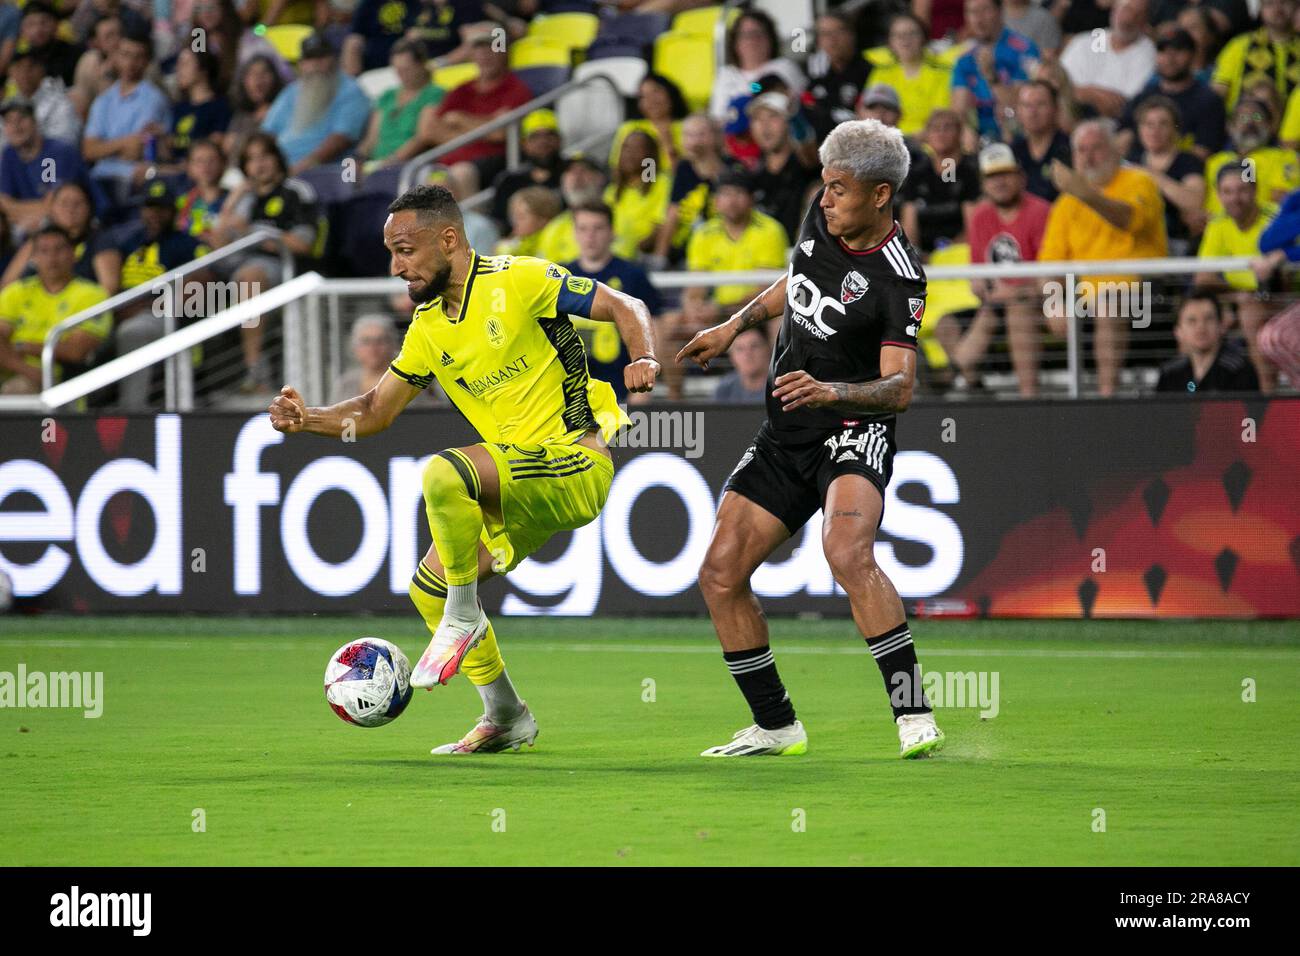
x=495, y=333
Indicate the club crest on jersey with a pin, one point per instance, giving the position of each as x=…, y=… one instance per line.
x=495, y=333
x=853, y=287
x=806, y=246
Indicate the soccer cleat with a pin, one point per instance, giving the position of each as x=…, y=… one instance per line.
x=918, y=735
x=490, y=738
x=441, y=659
x=754, y=741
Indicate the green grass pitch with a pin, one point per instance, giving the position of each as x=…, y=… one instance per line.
x=1144, y=721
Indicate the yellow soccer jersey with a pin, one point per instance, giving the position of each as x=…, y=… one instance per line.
x=32, y=311
x=512, y=361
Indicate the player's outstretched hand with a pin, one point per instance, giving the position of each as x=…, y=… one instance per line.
x=801, y=390
x=288, y=411
x=707, y=345
x=639, y=376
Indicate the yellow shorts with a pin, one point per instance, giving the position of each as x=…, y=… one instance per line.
x=545, y=489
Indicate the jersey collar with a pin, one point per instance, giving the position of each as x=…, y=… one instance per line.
x=469, y=285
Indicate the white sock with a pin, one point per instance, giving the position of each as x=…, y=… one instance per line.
x=462, y=603
x=500, y=701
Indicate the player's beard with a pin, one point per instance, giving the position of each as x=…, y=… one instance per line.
x=435, y=287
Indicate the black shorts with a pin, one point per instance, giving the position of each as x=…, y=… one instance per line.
x=790, y=481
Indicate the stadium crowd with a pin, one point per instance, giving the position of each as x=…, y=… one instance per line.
x=140, y=134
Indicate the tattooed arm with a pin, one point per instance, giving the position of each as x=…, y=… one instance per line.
x=892, y=392
x=712, y=342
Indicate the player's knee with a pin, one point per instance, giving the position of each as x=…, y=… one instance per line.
x=848, y=558
x=721, y=578
x=443, y=480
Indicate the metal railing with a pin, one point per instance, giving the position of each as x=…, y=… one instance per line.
x=178, y=374
x=509, y=122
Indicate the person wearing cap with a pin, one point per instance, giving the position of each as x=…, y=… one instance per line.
x=837, y=72
x=940, y=190
x=38, y=29
x=540, y=145
x=1006, y=226
x=496, y=90
x=1107, y=75
x=154, y=246
x=390, y=137
x=56, y=115
x=1201, y=115
x=318, y=117
x=30, y=307
x=985, y=77
x=33, y=166
x=917, y=82
x=786, y=170
x=124, y=119
x=1252, y=145
x=737, y=238
x=583, y=180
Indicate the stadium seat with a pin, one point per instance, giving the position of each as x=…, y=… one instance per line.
x=574, y=30
x=588, y=113
x=543, y=79
x=287, y=38
x=703, y=21
x=634, y=28
x=790, y=15
x=450, y=77
x=627, y=72
x=374, y=83
x=687, y=60
x=329, y=185
x=382, y=182
x=535, y=51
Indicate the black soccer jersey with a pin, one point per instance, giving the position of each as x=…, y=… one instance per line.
x=841, y=307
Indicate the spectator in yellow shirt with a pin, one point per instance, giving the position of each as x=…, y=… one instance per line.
x=582, y=181
x=638, y=195
x=530, y=210
x=923, y=83
x=1105, y=211
x=31, y=307
x=1272, y=52
x=1274, y=169
x=738, y=238
x=1236, y=233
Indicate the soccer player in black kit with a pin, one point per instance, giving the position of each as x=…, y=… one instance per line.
x=843, y=368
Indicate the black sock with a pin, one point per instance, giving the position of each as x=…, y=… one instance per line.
x=755, y=673
x=896, y=655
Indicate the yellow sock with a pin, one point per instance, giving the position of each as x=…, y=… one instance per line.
x=451, y=490
x=484, y=663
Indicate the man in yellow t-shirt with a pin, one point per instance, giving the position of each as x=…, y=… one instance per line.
x=739, y=238
x=1106, y=211
x=31, y=307
x=496, y=334
x=1273, y=168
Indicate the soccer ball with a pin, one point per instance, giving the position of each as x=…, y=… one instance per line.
x=368, y=682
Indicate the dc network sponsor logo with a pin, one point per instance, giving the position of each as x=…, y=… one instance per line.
x=73, y=909
x=807, y=305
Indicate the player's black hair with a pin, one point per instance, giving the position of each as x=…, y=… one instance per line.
x=50, y=229
x=597, y=206
x=430, y=203
x=1200, y=294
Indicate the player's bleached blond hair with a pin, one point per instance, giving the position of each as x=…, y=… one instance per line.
x=870, y=150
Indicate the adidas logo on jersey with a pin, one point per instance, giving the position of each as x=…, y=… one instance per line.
x=806, y=246
x=447, y=360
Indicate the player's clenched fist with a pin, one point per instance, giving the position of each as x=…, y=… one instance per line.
x=708, y=344
x=639, y=376
x=288, y=411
